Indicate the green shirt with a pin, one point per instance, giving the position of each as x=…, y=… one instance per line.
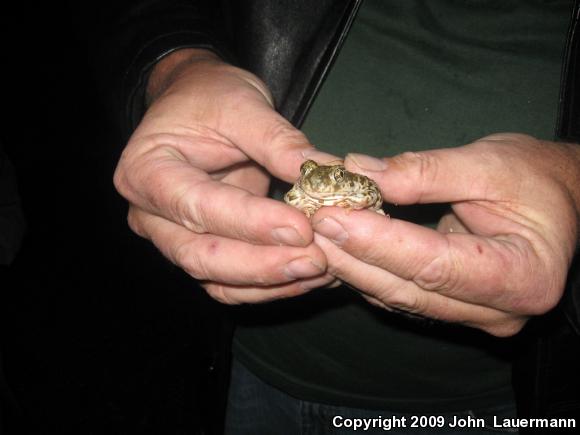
x=413, y=75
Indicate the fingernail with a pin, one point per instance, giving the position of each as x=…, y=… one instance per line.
x=287, y=236
x=367, y=163
x=302, y=267
x=331, y=229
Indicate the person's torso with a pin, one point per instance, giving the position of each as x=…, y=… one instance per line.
x=412, y=75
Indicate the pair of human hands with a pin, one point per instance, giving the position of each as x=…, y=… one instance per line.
x=197, y=169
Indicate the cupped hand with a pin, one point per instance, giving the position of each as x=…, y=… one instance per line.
x=196, y=172
x=500, y=256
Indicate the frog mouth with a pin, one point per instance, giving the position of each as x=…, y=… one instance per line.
x=331, y=198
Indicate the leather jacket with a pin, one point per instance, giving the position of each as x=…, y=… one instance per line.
x=291, y=45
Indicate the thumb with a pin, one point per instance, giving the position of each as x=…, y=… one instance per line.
x=273, y=142
x=444, y=175
x=213, y=100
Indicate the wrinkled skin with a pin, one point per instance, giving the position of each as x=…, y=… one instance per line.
x=197, y=169
x=196, y=173
x=499, y=257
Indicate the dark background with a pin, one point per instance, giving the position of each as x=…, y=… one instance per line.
x=98, y=333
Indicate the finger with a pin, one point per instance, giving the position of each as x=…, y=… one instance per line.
x=470, y=172
x=473, y=269
x=234, y=295
x=173, y=189
x=394, y=292
x=214, y=258
x=248, y=176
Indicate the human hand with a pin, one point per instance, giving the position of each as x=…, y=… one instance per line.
x=498, y=258
x=193, y=173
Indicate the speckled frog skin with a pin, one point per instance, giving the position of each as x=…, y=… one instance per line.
x=321, y=185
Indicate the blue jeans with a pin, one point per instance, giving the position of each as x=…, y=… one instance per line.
x=256, y=408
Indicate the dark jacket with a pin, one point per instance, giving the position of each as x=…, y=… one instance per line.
x=291, y=45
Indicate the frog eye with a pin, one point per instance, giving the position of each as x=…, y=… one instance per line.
x=338, y=174
x=307, y=167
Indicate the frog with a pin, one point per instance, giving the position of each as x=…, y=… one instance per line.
x=332, y=185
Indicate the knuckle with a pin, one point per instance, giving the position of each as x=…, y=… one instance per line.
x=441, y=274
x=120, y=181
x=184, y=255
x=145, y=179
x=127, y=178
x=129, y=170
x=187, y=206
x=552, y=297
x=336, y=267
x=257, y=84
x=539, y=285
x=333, y=270
x=220, y=293
x=398, y=298
x=495, y=158
x=412, y=304
x=387, y=294
x=507, y=327
x=281, y=135
x=154, y=184
x=421, y=168
x=140, y=180
x=508, y=138
x=553, y=287
x=263, y=280
x=134, y=223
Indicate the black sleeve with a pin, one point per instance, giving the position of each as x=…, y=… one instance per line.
x=128, y=38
